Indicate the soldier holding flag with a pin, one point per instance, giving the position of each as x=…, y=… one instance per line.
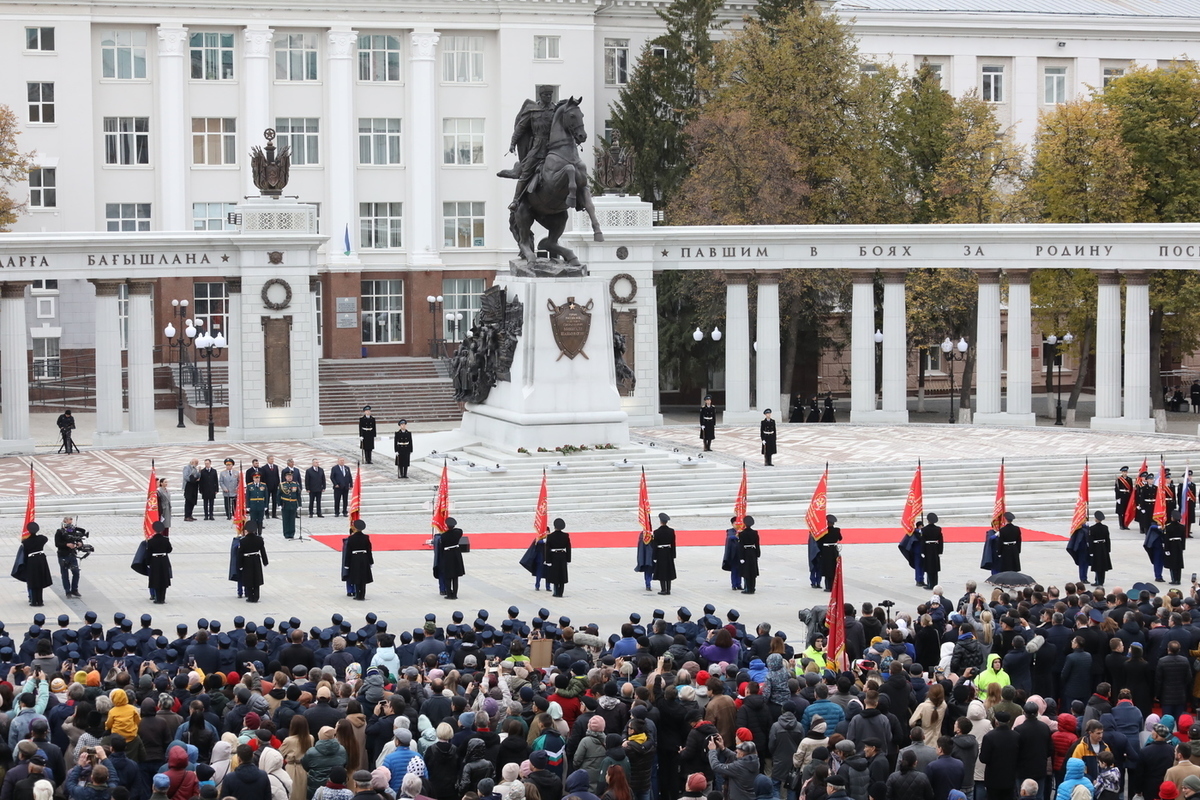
x=645, y=543
x=910, y=522
x=1124, y=492
x=818, y=527
x=532, y=561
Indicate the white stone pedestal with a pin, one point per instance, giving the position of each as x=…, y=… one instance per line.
x=552, y=399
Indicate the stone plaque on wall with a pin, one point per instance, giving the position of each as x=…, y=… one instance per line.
x=277, y=361
x=345, y=304
x=625, y=323
x=347, y=320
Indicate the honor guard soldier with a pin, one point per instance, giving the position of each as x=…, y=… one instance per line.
x=766, y=432
x=1124, y=491
x=404, y=448
x=449, y=558
x=1008, y=540
x=556, y=549
x=748, y=554
x=829, y=551
x=730, y=560
x=358, y=560
x=289, y=498
x=708, y=422
x=251, y=558
x=1099, y=548
x=366, y=433
x=257, y=498
x=33, y=569
x=932, y=544
x=1145, y=492
x=664, y=554
x=158, y=563
x=1174, y=543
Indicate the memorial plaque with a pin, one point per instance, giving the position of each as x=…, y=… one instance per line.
x=277, y=361
x=624, y=326
x=347, y=304
x=349, y=320
x=571, y=323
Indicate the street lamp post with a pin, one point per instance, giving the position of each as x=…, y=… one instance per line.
x=698, y=336
x=1056, y=361
x=435, y=303
x=953, y=352
x=454, y=318
x=208, y=347
x=187, y=332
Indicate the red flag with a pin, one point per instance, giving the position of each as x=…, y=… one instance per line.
x=239, y=508
x=644, y=510
x=355, y=505
x=151, y=515
x=739, y=505
x=1131, y=505
x=818, y=524
x=30, y=505
x=541, y=516
x=914, y=506
x=1160, y=496
x=441, y=503
x=1080, y=517
x=998, y=507
x=835, y=619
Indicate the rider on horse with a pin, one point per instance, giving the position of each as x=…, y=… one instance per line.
x=531, y=134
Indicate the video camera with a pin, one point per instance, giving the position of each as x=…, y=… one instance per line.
x=74, y=535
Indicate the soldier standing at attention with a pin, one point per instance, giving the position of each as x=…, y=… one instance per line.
x=708, y=422
x=1174, y=543
x=256, y=499
x=748, y=553
x=1099, y=548
x=404, y=448
x=366, y=432
x=1008, y=540
x=766, y=432
x=289, y=498
x=932, y=544
x=1123, y=490
x=664, y=554
x=557, y=555
x=829, y=551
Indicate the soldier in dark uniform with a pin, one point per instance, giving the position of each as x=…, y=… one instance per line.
x=1099, y=548
x=404, y=448
x=289, y=498
x=257, y=498
x=749, y=549
x=932, y=544
x=1145, y=493
x=36, y=569
x=827, y=414
x=366, y=432
x=1187, y=497
x=1169, y=493
x=828, y=545
x=766, y=432
x=251, y=558
x=449, y=558
x=1123, y=490
x=708, y=422
x=531, y=135
x=1174, y=543
x=814, y=411
x=1008, y=540
x=664, y=554
x=556, y=555
x=730, y=560
x=158, y=563
x=359, y=560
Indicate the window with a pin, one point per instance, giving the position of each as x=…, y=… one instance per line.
x=462, y=224
x=935, y=71
x=545, y=48
x=870, y=70
x=319, y=300
x=40, y=39
x=933, y=355
x=993, y=83
x=462, y=296
x=211, y=304
x=214, y=141
x=43, y=188
x=1056, y=85
x=47, y=363
x=126, y=140
x=212, y=216
x=301, y=134
x=212, y=56
x=1112, y=73
x=378, y=57
x=379, y=140
x=658, y=51
x=45, y=307
x=383, y=312
x=123, y=55
x=295, y=56
x=616, y=62
x=462, y=59
x=41, y=102
x=381, y=225
x=42, y=286
x=462, y=141
x=127, y=216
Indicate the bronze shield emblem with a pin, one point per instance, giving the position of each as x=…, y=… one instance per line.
x=571, y=324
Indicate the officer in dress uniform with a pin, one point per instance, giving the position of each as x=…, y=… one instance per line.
x=766, y=432
x=257, y=498
x=708, y=422
x=932, y=544
x=289, y=498
x=664, y=554
x=1145, y=492
x=158, y=562
x=1123, y=490
x=828, y=545
x=749, y=549
x=1188, y=497
x=366, y=432
x=1174, y=543
x=556, y=552
x=1099, y=548
x=252, y=557
x=404, y=448
x=359, y=560
x=449, y=558
x=1008, y=540
x=1169, y=493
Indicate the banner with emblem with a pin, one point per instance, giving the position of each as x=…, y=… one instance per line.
x=1186, y=487
x=1160, y=496
x=441, y=502
x=31, y=505
x=816, y=518
x=998, y=507
x=914, y=505
x=739, y=504
x=1080, y=517
x=1131, y=507
x=644, y=510
x=835, y=620
x=239, y=507
x=541, y=515
x=151, y=515
x=354, y=507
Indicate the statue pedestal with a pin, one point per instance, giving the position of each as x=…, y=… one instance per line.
x=553, y=399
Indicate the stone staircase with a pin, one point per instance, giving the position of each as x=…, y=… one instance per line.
x=417, y=389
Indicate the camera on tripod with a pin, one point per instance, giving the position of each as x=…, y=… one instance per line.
x=76, y=536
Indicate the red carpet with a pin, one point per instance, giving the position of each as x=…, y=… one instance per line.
x=382, y=542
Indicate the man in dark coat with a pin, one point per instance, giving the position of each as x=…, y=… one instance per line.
x=35, y=570
x=556, y=555
x=932, y=543
x=1174, y=543
x=730, y=560
x=251, y=558
x=1033, y=747
x=366, y=433
x=766, y=432
x=708, y=422
x=748, y=554
x=664, y=554
x=158, y=562
x=314, y=484
x=342, y=480
x=1008, y=541
x=1123, y=489
x=358, y=560
x=1173, y=680
x=271, y=479
x=449, y=558
x=404, y=449
x=828, y=545
x=247, y=782
x=208, y=488
x=1099, y=548
x=996, y=751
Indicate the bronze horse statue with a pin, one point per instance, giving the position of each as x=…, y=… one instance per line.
x=561, y=184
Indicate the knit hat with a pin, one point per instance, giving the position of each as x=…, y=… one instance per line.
x=1192, y=782
x=596, y=723
x=744, y=735
x=696, y=782
x=817, y=724
x=253, y=720
x=162, y=782
x=538, y=759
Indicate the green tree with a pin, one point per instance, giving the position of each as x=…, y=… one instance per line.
x=925, y=111
x=979, y=175
x=14, y=167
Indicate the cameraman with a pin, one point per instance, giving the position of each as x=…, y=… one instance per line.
x=67, y=540
x=66, y=424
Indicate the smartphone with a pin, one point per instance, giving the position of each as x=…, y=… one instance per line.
x=1193, y=577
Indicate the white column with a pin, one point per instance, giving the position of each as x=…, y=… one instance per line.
x=766, y=381
x=421, y=131
x=987, y=349
x=109, y=411
x=1019, y=409
x=1137, y=352
x=139, y=353
x=737, y=349
x=14, y=369
x=233, y=339
x=862, y=346
x=256, y=97
x=895, y=350
x=341, y=154
x=1108, y=351
x=172, y=129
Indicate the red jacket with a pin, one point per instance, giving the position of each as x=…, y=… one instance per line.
x=1063, y=739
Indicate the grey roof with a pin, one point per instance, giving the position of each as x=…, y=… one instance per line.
x=1101, y=8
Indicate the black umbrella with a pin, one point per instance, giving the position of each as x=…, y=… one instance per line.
x=1011, y=579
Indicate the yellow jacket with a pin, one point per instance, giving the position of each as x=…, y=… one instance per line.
x=123, y=718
